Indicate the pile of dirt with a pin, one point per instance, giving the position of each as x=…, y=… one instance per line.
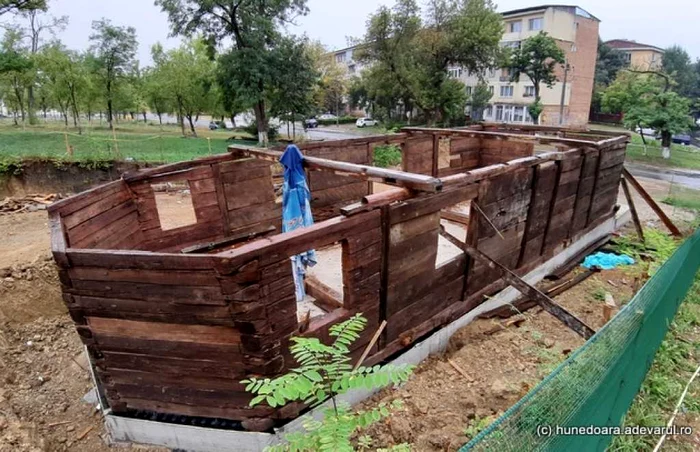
x=452, y=396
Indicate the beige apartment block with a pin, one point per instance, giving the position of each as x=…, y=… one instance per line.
x=639, y=56
x=576, y=32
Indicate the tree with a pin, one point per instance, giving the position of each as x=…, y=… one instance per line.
x=415, y=54
x=332, y=85
x=537, y=58
x=190, y=75
x=253, y=26
x=677, y=63
x=7, y=6
x=66, y=78
x=16, y=70
x=39, y=23
x=292, y=90
x=480, y=98
x=647, y=102
x=114, y=48
x=608, y=63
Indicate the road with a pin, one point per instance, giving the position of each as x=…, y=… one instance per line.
x=687, y=178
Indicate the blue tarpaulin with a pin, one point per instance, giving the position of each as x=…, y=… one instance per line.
x=296, y=211
x=607, y=261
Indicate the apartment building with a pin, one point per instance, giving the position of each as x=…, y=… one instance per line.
x=344, y=57
x=576, y=32
x=639, y=56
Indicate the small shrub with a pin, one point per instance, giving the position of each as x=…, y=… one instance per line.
x=341, y=120
x=387, y=155
x=325, y=372
x=252, y=130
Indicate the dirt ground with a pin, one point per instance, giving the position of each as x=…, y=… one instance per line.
x=44, y=376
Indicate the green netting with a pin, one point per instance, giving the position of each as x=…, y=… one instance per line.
x=597, y=384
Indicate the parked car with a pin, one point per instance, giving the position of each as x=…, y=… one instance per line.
x=213, y=125
x=366, y=122
x=327, y=117
x=311, y=123
x=681, y=138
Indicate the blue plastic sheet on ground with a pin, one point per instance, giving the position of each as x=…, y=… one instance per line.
x=606, y=261
x=296, y=211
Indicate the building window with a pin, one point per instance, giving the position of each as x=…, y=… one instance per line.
x=491, y=89
x=351, y=69
x=492, y=73
x=489, y=111
x=341, y=57
x=628, y=57
x=511, y=44
x=469, y=90
x=536, y=24
x=529, y=91
x=507, y=91
x=454, y=73
x=499, y=112
x=518, y=114
x=515, y=27
x=528, y=118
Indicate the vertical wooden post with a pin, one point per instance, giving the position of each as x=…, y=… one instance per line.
x=384, y=271
x=633, y=209
x=436, y=154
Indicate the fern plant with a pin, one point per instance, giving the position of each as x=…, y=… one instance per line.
x=324, y=373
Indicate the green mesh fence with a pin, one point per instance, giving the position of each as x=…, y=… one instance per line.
x=597, y=384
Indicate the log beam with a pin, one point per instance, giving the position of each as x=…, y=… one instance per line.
x=416, y=182
x=649, y=200
x=543, y=300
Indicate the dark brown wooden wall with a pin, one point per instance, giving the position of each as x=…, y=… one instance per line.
x=176, y=333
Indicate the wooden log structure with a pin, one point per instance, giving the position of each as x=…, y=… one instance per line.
x=174, y=318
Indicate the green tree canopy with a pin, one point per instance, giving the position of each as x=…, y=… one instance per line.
x=677, y=63
x=646, y=102
x=7, y=6
x=114, y=48
x=414, y=49
x=537, y=58
x=253, y=26
x=481, y=95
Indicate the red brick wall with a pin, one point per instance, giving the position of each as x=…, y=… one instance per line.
x=582, y=72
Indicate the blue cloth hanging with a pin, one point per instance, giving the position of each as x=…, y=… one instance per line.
x=296, y=211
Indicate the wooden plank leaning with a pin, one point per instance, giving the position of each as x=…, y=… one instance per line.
x=574, y=323
x=649, y=200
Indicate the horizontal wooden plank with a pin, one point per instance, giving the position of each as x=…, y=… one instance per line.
x=150, y=292
x=170, y=277
x=202, y=334
x=140, y=260
x=425, y=204
x=82, y=200
x=92, y=210
x=249, y=192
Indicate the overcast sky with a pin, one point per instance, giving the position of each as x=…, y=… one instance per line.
x=332, y=21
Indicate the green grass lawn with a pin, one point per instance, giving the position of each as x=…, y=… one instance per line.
x=681, y=156
x=684, y=197
x=139, y=142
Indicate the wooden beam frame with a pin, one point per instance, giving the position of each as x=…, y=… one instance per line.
x=649, y=200
x=416, y=182
x=568, y=319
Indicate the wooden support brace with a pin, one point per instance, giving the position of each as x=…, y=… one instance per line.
x=543, y=300
x=633, y=209
x=488, y=220
x=451, y=238
x=649, y=200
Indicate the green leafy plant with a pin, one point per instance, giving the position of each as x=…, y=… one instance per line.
x=476, y=425
x=325, y=373
x=387, y=155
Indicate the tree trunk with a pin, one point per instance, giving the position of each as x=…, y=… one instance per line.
x=30, y=101
x=666, y=139
x=644, y=140
x=144, y=117
x=294, y=127
x=233, y=120
x=261, y=121
x=110, y=111
x=160, y=118
x=189, y=119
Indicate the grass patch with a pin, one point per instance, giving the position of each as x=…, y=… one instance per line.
x=387, y=155
x=674, y=362
x=681, y=156
x=137, y=142
x=684, y=197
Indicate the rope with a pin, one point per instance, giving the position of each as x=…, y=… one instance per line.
x=675, y=412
